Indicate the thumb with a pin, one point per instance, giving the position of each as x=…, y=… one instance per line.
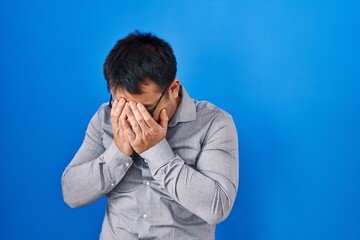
x=164, y=118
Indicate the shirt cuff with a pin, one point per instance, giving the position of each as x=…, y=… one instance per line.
x=158, y=155
x=114, y=157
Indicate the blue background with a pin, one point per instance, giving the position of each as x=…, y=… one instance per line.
x=288, y=72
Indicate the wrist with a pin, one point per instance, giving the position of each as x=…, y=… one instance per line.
x=128, y=151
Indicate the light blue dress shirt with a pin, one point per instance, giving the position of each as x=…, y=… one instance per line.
x=178, y=189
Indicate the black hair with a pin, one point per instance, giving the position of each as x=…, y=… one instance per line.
x=137, y=59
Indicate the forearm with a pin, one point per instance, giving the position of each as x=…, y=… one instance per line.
x=84, y=182
x=207, y=194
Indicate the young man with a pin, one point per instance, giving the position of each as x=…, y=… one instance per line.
x=167, y=164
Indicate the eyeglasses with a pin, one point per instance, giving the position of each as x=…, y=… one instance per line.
x=151, y=110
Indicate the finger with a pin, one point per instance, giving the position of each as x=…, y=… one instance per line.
x=114, y=114
x=113, y=110
x=139, y=118
x=127, y=130
x=123, y=116
x=164, y=119
x=114, y=104
x=117, y=109
x=146, y=116
x=130, y=115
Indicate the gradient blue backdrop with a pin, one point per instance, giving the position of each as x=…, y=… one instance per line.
x=288, y=72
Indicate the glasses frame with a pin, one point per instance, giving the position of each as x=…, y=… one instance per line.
x=151, y=110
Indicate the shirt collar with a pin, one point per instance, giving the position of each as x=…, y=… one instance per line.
x=186, y=111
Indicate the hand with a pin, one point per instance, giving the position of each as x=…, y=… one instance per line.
x=118, y=115
x=141, y=129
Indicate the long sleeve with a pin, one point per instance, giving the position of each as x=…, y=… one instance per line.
x=94, y=170
x=209, y=189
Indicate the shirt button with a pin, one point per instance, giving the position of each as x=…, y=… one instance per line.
x=147, y=183
x=144, y=215
x=112, y=184
x=127, y=164
x=145, y=161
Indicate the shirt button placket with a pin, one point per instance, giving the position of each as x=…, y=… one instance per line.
x=144, y=209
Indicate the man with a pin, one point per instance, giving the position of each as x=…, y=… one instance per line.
x=167, y=164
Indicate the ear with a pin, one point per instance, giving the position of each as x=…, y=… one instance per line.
x=174, y=88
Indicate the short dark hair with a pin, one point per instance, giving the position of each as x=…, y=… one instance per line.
x=138, y=58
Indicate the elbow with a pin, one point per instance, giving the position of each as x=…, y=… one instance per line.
x=70, y=200
x=220, y=208
x=218, y=214
x=71, y=204
x=75, y=197
x=70, y=195
x=216, y=218
x=76, y=202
